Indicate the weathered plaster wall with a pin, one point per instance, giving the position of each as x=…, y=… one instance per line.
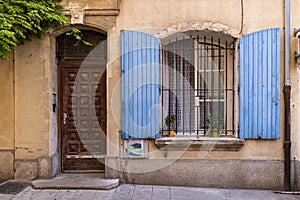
x=34, y=136
x=49, y=166
x=7, y=118
x=250, y=174
x=139, y=15
x=162, y=18
x=7, y=104
x=89, y=4
x=296, y=175
x=256, y=150
x=32, y=99
x=295, y=81
x=32, y=106
x=259, y=15
x=113, y=95
x=295, y=95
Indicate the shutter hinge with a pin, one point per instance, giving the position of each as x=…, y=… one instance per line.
x=123, y=106
x=275, y=100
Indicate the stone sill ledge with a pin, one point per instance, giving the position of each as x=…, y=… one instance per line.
x=194, y=143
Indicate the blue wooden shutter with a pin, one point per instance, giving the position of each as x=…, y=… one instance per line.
x=260, y=85
x=140, y=95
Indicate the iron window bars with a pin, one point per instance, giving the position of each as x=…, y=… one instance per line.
x=197, y=85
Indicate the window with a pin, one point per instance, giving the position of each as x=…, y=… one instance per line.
x=196, y=77
x=197, y=84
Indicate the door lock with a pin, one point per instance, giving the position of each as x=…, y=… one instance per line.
x=65, y=118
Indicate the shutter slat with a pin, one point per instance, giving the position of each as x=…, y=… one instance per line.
x=139, y=85
x=260, y=85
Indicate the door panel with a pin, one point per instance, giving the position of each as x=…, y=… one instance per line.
x=83, y=117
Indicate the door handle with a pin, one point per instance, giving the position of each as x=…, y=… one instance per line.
x=65, y=118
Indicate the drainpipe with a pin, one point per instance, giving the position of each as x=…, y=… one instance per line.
x=287, y=95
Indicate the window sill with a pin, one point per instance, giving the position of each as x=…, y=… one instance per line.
x=194, y=143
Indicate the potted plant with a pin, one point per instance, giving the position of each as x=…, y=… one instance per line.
x=214, y=128
x=170, y=122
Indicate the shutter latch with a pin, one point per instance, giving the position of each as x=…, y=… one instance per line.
x=275, y=100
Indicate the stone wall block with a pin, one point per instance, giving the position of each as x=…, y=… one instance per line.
x=25, y=169
x=7, y=164
x=44, y=167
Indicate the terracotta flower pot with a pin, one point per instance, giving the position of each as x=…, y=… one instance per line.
x=171, y=133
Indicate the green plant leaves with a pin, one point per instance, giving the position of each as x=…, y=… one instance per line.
x=170, y=121
x=22, y=19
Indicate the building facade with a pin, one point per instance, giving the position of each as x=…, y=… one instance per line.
x=211, y=71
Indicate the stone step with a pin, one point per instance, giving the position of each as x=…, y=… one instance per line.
x=76, y=181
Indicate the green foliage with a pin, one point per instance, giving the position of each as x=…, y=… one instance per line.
x=22, y=19
x=77, y=34
x=170, y=121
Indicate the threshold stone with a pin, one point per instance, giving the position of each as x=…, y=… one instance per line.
x=76, y=181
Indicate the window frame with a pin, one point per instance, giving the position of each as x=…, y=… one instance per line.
x=233, y=68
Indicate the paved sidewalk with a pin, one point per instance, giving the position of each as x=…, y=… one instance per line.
x=149, y=192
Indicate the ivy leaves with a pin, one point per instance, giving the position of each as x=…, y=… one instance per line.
x=22, y=19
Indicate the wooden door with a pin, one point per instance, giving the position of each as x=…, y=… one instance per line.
x=82, y=101
x=83, y=117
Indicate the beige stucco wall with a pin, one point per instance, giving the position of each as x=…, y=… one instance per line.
x=136, y=14
x=158, y=17
x=258, y=15
x=89, y=4
x=7, y=104
x=32, y=99
x=7, y=118
x=34, y=132
x=295, y=82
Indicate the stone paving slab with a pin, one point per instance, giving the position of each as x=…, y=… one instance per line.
x=76, y=181
x=144, y=192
